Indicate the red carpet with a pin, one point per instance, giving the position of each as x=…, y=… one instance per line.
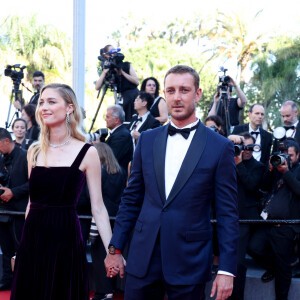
x=5, y=296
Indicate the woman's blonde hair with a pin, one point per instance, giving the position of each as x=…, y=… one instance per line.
x=107, y=158
x=74, y=126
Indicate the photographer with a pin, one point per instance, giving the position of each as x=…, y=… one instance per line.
x=262, y=137
x=125, y=77
x=215, y=123
x=249, y=178
x=283, y=183
x=289, y=114
x=14, y=196
x=38, y=81
x=234, y=104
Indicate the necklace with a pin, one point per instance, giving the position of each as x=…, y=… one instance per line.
x=60, y=145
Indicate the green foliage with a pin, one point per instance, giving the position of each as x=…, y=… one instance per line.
x=40, y=47
x=276, y=77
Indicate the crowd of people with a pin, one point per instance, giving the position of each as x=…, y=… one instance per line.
x=156, y=149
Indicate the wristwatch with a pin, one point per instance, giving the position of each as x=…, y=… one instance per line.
x=112, y=250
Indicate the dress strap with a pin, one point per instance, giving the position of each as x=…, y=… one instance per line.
x=80, y=156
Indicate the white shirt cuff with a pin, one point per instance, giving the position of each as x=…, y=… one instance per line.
x=225, y=273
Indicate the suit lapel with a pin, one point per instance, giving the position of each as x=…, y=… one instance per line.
x=159, y=154
x=144, y=125
x=118, y=129
x=189, y=163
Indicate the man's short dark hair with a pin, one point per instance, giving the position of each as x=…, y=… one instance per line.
x=38, y=74
x=252, y=106
x=247, y=136
x=146, y=97
x=294, y=144
x=117, y=112
x=182, y=69
x=4, y=134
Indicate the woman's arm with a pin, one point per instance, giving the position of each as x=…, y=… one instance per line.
x=163, y=111
x=99, y=82
x=29, y=153
x=132, y=77
x=99, y=212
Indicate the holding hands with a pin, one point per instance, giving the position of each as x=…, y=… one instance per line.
x=114, y=264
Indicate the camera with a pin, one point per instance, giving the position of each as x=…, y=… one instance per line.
x=224, y=80
x=15, y=72
x=100, y=134
x=280, y=135
x=279, y=159
x=213, y=128
x=239, y=148
x=114, y=59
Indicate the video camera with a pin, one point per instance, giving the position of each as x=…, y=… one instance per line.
x=113, y=60
x=240, y=147
x=224, y=80
x=15, y=72
x=282, y=140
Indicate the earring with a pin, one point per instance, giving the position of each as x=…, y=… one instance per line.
x=68, y=118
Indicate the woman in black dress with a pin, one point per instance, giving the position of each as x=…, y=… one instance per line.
x=51, y=261
x=159, y=109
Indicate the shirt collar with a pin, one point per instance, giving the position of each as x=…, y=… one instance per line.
x=113, y=130
x=187, y=126
x=251, y=129
x=145, y=116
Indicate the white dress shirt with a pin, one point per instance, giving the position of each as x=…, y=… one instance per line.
x=256, y=155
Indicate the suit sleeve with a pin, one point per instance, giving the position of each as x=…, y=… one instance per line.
x=227, y=209
x=131, y=201
x=293, y=181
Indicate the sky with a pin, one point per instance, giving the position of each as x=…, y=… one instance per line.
x=104, y=17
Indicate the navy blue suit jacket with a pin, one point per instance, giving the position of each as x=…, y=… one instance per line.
x=183, y=219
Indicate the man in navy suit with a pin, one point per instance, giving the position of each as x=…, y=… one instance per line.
x=177, y=171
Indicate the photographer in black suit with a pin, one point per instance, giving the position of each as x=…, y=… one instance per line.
x=289, y=114
x=262, y=137
x=249, y=178
x=13, y=196
x=143, y=120
x=272, y=245
x=119, y=139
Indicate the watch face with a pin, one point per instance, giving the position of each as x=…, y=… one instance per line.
x=111, y=250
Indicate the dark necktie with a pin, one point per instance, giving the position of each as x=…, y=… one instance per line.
x=289, y=127
x=139, y=119
x=256, y=133
x=185, y=132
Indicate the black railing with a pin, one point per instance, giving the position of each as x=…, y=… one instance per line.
x=243, y=221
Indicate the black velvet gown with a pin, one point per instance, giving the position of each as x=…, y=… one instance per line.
x=51, y=260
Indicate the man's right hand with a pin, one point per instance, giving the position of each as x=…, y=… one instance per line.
x=114, y=264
